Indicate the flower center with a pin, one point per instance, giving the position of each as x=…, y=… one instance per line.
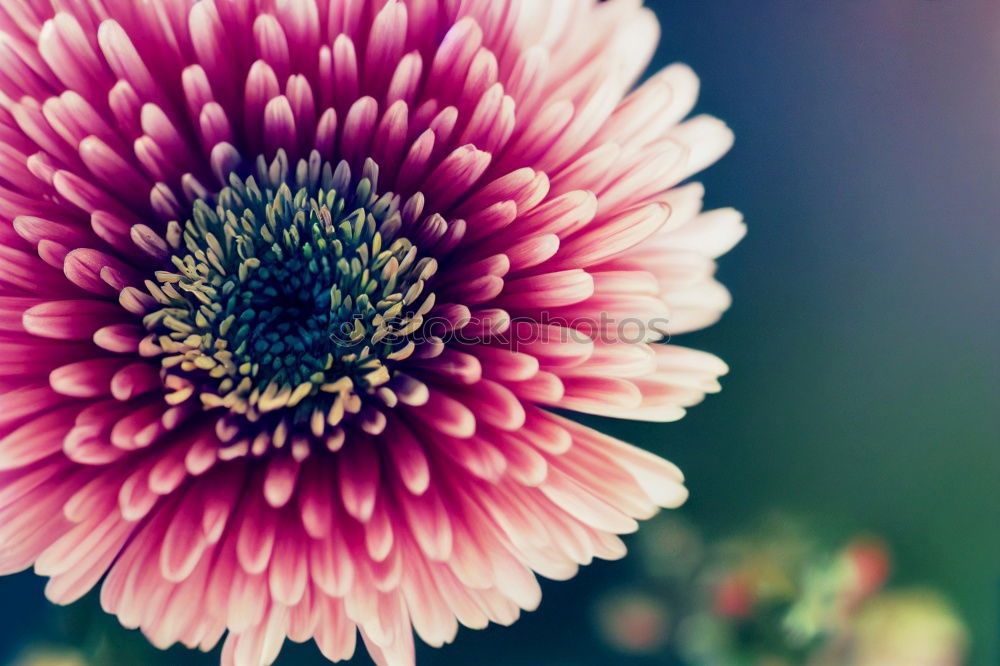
x=292, y=295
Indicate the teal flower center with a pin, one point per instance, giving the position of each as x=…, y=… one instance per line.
x=291, y=295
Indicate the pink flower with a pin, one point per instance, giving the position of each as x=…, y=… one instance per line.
x=287, y=288
x=868, y=565
x=735, y=596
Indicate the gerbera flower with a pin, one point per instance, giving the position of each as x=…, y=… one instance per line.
x=288, y=287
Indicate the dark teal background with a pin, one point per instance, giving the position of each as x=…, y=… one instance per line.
x=864, y=336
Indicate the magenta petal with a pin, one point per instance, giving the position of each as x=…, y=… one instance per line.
x=69, y=320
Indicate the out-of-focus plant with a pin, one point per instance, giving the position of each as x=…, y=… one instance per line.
x=634, y=622
x=75, y=636
x=775, y=596
x=50, y=657
x=908, y=628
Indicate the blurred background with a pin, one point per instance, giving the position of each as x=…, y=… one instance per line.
x=845, y=483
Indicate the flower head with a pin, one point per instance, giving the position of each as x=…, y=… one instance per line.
x=287, y=288
x=909, y=626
